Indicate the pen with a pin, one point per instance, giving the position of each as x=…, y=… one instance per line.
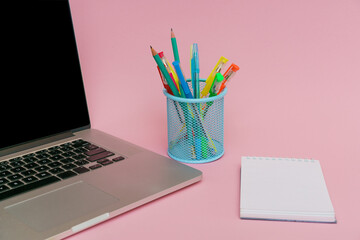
x=230, y=72
x=215, y=88
x=169, y=69
x=195, y=70
x=174, y=46
x=183, y=83
x=210, y=79
x=191, y=58
x=165, y=72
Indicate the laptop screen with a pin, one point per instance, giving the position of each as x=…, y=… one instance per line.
x=41, y=89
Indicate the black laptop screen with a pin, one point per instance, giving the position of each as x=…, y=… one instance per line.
x=41, y=89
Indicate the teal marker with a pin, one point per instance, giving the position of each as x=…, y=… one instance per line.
x=195, y=70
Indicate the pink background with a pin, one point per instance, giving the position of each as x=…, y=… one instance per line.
x=297, y=95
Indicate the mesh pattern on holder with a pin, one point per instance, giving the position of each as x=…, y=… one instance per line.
x=195, y=128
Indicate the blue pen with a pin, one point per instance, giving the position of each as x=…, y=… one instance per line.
x=181, y=77
x=195, y=70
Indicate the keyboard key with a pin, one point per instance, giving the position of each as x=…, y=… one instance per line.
x=3, y=163
x=80, y=170
x=81, y=162
x=5, y=167
x=66, y=148
x=95, y=151
x=14, y=177
x=28, y=172
x=117, y=159
x=4, y=188
x=3, y=181
x=56, y=170
x=41, y=168
x=65, y=145
x=93, y=167
x=17, y=163
x=15, y=159
x=30, y=159
x=68, y=166
x=103, y=160
x=29, y=155
x=76, y=147
x=43, y=175
x=80, y=150
x=80, y=143
x=56, y=157
x=67, y=160
x=42, y=156
x=41, y=152
x=28, y=187
x=53, y=148
x=54, y=152
x=67, y=174
x=91, y=147
x=54, y=164
x=31, y=165
x=44, y=161
x=68, y=154
x=17, y=169
x=29, y=179
x=106, y=162
x=99, y=156
x=5, y=173
x=15, y=184
x=79, y=156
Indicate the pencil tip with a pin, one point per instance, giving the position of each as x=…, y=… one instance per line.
x=153, y=51
x=171, y=29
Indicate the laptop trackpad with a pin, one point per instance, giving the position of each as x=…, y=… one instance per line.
x=60, y=206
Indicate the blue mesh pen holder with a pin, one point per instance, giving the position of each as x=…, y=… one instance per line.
x=195, y=128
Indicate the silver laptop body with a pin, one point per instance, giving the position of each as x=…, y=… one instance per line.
x=115, y=177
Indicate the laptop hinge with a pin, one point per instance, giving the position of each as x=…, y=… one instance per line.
x=35, y=143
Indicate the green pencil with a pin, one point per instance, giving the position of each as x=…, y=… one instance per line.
x=165, y=72
x=174, y=46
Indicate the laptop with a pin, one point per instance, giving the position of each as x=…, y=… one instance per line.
x=59, y=176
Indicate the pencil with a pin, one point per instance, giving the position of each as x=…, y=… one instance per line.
x=174, y=46
x=165, y=72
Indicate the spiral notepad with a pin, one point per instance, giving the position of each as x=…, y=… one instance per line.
x=287, y=189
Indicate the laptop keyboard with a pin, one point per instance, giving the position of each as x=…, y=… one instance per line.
x=40, y=168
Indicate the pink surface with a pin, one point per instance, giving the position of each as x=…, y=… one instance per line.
x=297, y=95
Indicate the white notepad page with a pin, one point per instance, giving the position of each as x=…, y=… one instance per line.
x=284, y=189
